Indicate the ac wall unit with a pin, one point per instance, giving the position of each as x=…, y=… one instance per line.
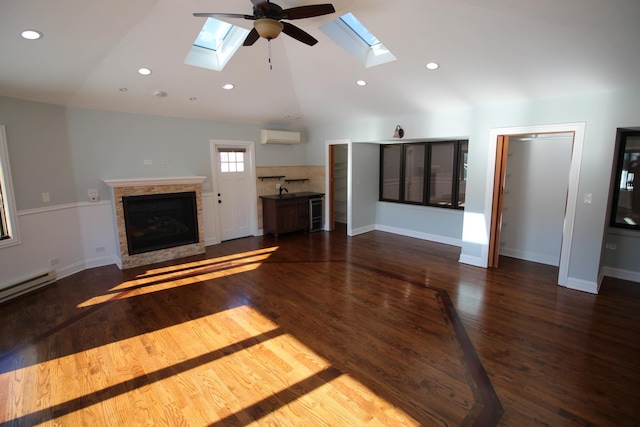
x=279, y=137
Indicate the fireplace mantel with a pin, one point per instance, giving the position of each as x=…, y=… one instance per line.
x=140, y=182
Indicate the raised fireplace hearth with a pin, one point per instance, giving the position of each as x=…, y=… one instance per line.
x=158, y=219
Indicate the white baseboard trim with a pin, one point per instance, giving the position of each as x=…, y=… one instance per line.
x=471, y=260
x=68, y=270
x=362, y=230
x=583, y=285
x=617, y=273
x=530, y=256
x=420, y=235
x=100, y=261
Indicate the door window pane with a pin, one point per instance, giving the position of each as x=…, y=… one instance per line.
x=441, y=188
x=231, y=161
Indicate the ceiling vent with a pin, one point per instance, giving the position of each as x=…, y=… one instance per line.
x=279, y=137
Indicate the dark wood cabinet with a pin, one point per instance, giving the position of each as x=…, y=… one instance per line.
x=286, y=214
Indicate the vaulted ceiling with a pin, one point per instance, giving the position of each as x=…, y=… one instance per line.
x=489, y=51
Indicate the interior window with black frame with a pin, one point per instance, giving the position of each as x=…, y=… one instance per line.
x=424, y=173
x=626, y=194
x=390, y=169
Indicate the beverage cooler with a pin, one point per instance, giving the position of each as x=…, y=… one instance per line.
x=316, y=213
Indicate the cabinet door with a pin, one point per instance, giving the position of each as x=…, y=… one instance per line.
x=287, y=218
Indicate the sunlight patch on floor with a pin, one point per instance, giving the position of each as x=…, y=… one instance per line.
x=227, y=366
x=184, y=274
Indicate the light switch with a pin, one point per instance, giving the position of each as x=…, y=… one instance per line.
x=588, y=198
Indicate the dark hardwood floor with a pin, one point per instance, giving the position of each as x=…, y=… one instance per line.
x=322, y=329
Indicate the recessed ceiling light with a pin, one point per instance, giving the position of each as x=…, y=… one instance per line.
x=144, y=71
x=228, y=86
x=31, y=34
x=432, y=66
x=361, y=83
x=193, y=98
x=123, y=89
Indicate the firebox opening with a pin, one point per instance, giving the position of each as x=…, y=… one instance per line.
x=160, y=221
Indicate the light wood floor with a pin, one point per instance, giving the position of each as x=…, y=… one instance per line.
x=321, y=329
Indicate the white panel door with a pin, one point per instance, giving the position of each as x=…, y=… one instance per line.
x=234, y=192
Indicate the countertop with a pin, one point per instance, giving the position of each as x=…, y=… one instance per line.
x=297, y=195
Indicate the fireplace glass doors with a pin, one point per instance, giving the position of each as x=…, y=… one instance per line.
x=160, y=221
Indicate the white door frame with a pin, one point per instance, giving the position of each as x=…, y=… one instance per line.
x=249, y=146
x=572, y=193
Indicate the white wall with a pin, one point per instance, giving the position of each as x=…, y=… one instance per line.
x=364, y=186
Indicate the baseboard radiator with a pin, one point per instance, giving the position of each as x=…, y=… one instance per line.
x=27, y=285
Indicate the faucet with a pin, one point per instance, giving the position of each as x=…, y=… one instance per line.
x=280, y=190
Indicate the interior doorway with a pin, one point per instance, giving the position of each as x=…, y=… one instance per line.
x=496, y=186
x=532, y=192
x=337, y=184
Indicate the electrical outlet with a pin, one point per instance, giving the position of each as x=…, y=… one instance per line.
x=611, y=246
x=46, y=198
x=54, y=261
x=92, y=193
x=278, y=185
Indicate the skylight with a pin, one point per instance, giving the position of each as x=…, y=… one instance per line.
x=350, y=34
x=216, y=43
x=357, y=27
x=213, y=34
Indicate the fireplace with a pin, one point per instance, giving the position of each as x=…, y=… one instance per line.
x=160, y=221
x=157, y=219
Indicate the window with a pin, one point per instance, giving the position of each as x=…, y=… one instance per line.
x=231, y=159
x=8, y=217
x=626, y=194
x=424, y=173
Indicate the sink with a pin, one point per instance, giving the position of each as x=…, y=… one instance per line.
x=283, y=195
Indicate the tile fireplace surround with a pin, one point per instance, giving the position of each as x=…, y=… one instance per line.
x=143, y=186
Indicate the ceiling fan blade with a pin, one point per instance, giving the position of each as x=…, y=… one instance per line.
x=298, y=34
x=252, y=37
x=308, y=11
x=223, y=15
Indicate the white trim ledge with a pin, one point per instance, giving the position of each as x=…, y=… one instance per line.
x=137, y=182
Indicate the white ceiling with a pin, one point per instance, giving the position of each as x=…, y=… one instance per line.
x=490, y=52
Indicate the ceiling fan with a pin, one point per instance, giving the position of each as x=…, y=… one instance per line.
x=267, y=18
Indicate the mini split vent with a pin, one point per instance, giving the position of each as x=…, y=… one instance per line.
x=279, y=137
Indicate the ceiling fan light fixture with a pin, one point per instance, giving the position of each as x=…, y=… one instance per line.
x=268, y=28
